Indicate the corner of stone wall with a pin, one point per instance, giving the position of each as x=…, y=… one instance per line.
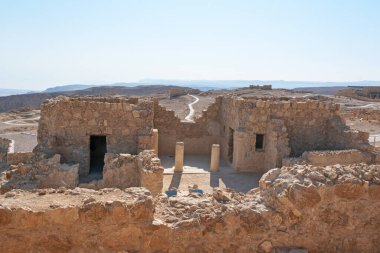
x=152, y=173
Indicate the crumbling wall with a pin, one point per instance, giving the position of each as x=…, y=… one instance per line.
x=120, y=171
x=66, y=125
x=4, y=147
x=19, y=157
x=292, y=208
x=331, y=157
x=289, y=126
x=361, y=113
x=151, y=171
x=341, y=136
x=198, y=136
x=42, y=173
x=126, y=170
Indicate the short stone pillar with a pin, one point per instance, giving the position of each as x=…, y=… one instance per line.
x=215, y=154
x=155, y=141
x=179, y=155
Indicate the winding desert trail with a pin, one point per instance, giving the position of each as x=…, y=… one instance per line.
x=190, y=116
x=22, y=122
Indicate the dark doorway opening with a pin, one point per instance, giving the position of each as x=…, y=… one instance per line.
x=231, y=145
x=98, y=149
x=259, y=142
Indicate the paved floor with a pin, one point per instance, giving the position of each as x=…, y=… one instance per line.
x=197, y=171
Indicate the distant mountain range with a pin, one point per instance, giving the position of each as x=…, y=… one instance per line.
x=204, y=85
x=33, y=100
x=8, y=92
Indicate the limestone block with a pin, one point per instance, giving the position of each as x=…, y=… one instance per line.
x=215, y=156
x=179, y=156
x=136, y=114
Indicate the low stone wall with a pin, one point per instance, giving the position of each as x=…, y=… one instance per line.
x=152, y=173
x=324, y=158
x=19, y=157
x=4, y=147
x=365, y=114
x=125, y=170
x=292, y=209
x=45, y=173
x=120, y=171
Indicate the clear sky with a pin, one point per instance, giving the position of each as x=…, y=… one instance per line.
x=54, y=42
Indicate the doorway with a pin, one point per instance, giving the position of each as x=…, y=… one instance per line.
x=98, y=149
x=231, y=144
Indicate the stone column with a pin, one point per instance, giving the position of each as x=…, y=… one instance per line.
x=155, y=141
x=179, y=154
x=215, y=154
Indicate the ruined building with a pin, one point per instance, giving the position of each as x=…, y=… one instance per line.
x=254, y=135
x=114, y=143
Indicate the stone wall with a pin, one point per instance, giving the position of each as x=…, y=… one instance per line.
x=324, y=158
x=125, y=170
x=19, y=157
x=44, y=173
x=289, y=127
x=120, y=171
x=341, y=136
x=365, y=114
x=4, y=147
x=66, y=125
x=198, y=136
x=234, y=123
x=292, y=208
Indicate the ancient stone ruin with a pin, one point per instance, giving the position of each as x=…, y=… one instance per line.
x=94, y=182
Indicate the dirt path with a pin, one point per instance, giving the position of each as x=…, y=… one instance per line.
x=190, y=116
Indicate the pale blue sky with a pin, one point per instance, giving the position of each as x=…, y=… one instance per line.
x=56, y=42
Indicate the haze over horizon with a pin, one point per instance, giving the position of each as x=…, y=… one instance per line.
x=46, y=43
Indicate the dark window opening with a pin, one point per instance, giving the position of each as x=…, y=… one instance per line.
x=231, y=145
x=259, y=141
x=98, y=149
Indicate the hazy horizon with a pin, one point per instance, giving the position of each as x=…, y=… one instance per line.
x=215, y=83
x=48, y=43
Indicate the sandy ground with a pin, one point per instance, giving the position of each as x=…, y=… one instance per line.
x=180, y=105
x=21, y=127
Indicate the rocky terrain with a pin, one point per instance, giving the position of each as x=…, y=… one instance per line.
x=34, y=100
x=319, y=209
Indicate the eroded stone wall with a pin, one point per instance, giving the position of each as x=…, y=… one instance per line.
x=40, y=173
x=324, y=158
x=289, y=126
x=198, y=136
x=4, y=147
x=125, y=170
x=292, y=208
x=66, y=125
x=120, y=171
